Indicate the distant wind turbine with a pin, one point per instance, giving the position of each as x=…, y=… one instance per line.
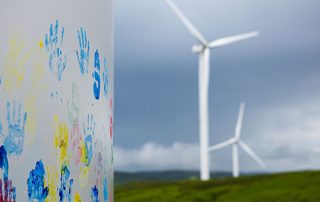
x=235, y=142
x=203, y=49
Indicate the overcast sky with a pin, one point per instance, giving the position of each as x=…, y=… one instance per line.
x=276, y=75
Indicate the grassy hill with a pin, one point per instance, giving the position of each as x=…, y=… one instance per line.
x=172, y=175
x=286, y=187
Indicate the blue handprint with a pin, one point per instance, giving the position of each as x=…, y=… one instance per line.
x=105, y=76
x=8, y=193
x=83, y=57
x=105, y=189
x=53, y=43
x=96, y=76
x=0, y=129
x=95, y=194
x=4, y=165
x=65, y=189
x=89, y=133
x=36, y=189
x=15, y=140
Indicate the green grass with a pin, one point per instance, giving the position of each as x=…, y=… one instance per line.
x=286, y=187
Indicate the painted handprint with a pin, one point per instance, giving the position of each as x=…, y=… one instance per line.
x=111, y=120
x=83, y=56
x=73, y=109
x=4, y=164
x=88, y=140
x=0, y=129
x=15, y=139
x=53, y=43
x=61, y=142
x=98, y=161
x=36, y=189
x=105, y=189
x=73, y=106
x=105, y=76
x=15, y=68
x=96, y=76
x=66, y=182
x=95, y=194
x=8, y=193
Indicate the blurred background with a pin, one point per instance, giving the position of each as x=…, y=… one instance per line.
x=276, y=74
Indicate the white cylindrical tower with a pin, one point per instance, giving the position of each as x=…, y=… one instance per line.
x=56, y=100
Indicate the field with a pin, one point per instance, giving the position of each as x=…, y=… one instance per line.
x=286, y=187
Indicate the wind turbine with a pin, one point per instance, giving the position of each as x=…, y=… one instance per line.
x=236, y=142
x=203, y=50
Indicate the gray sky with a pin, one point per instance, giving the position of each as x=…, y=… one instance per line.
x=276, y=74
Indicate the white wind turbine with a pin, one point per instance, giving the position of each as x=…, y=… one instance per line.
x=235, y=142
x=203, y=49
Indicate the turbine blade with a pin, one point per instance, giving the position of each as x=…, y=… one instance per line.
x=221, y=145
x=194, y=32
x=232, y=39
x=239, y=121
x=251, y=153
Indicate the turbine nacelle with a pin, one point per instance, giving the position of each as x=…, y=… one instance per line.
x=197, y=49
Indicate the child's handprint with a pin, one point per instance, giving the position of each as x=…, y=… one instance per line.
x=8, y=194
x=61, y=142
x=53, y=43
x=15, y=64
x=89, y=133
x=96, y=76
x=15, y=140
x=36, y=189
x=83, y=57
x=105, y=189
x=4, y=165
x=105, y=76
x=95, y=194
x=65, y=190
x=0, y=129
x=73, y=107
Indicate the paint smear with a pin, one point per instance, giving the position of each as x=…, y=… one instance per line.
x=36, y=187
